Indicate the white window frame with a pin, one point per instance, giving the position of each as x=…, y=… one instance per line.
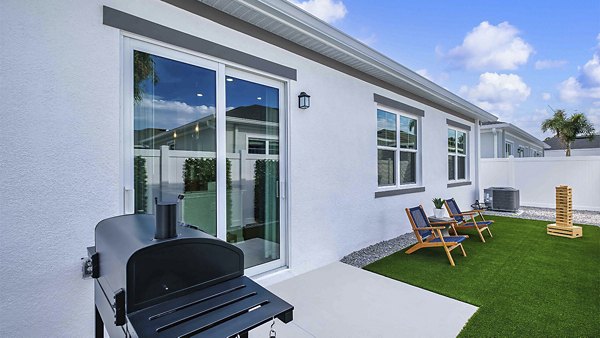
x=222, y=68
x=456, y=154
x=397, y=150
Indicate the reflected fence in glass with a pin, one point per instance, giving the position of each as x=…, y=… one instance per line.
x=252, y=134
x=175, y=138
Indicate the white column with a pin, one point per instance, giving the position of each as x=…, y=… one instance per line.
x=221, y=156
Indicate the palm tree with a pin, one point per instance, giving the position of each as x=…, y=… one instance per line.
x=567, y=129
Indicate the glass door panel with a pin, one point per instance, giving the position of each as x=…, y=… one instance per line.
x=253, y=176
x=174, y=136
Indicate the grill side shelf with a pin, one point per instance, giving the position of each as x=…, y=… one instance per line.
x=223, y=310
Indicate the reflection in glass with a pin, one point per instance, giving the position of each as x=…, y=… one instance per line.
x=461, y=142
x=451, y=140
x=461, y=167
x=451, y=167
x=174, y=137
x=386, y=129
x=252, y=134
x=408, y=167
x=386, y=167
x=408, y=133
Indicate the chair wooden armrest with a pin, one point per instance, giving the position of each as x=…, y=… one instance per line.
x=432, y=228
x=446, y=222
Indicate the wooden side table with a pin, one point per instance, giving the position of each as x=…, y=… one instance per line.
x=434, y=219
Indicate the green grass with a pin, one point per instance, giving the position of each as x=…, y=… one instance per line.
x=526, y=283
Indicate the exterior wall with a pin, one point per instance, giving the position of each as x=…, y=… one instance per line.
x=574, y=152
x=487, y=145
x=60, y=88
x=519, y=142
x=536, y=179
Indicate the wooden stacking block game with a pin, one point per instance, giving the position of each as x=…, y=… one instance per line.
x=564, y=215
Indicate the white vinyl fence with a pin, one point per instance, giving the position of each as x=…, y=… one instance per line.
x=536, y=178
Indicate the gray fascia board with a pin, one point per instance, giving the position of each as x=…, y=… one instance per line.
x=130, y=23
x=458, y=184
x=395, y=192
x=453, y=123
x=292, y=16
x=398, y=105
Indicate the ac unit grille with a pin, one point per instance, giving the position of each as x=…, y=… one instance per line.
x=502, y=199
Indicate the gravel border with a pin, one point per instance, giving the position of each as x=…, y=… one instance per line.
x=549, y=214
x=375, y=252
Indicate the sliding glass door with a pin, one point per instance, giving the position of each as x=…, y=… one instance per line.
x=212, y=134
x=252, y=127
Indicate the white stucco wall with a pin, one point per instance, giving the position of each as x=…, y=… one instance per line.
x=536, y=179
x=61, y=169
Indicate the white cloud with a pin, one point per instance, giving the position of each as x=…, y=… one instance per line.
x=531, y=121
x=587, y=84
x=170, y=114
x=590, y=72
x=498, y=93
x=545, y=64
x=546, y=96
x=327, y=10
x=491, y=47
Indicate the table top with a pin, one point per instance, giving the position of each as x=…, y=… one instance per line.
x=440, y=219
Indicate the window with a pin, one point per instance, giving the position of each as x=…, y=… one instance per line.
x=508, y=149
x=263, y=146
x=396, y=149
x=457, y=155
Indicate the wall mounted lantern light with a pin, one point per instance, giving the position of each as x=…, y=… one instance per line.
x=303, y=100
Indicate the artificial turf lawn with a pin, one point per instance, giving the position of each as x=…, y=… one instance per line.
x=526, y=283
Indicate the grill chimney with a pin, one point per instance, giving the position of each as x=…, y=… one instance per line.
x=166, y=220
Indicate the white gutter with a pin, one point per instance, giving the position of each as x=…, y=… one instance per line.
x=292, y=16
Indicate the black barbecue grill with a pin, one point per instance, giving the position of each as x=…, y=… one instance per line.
x=149, y=284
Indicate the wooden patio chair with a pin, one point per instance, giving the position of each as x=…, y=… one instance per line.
x=471, y=222
x=429, y=236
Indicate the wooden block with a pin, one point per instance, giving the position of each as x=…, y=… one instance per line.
x=564, y=231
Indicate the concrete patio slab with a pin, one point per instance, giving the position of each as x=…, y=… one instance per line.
x=339, y=300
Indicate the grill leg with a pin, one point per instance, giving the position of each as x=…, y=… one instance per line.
x=99, y=325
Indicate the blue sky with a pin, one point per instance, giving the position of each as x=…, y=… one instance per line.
x=515, y=59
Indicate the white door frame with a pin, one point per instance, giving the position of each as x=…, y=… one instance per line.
x=132, y=42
